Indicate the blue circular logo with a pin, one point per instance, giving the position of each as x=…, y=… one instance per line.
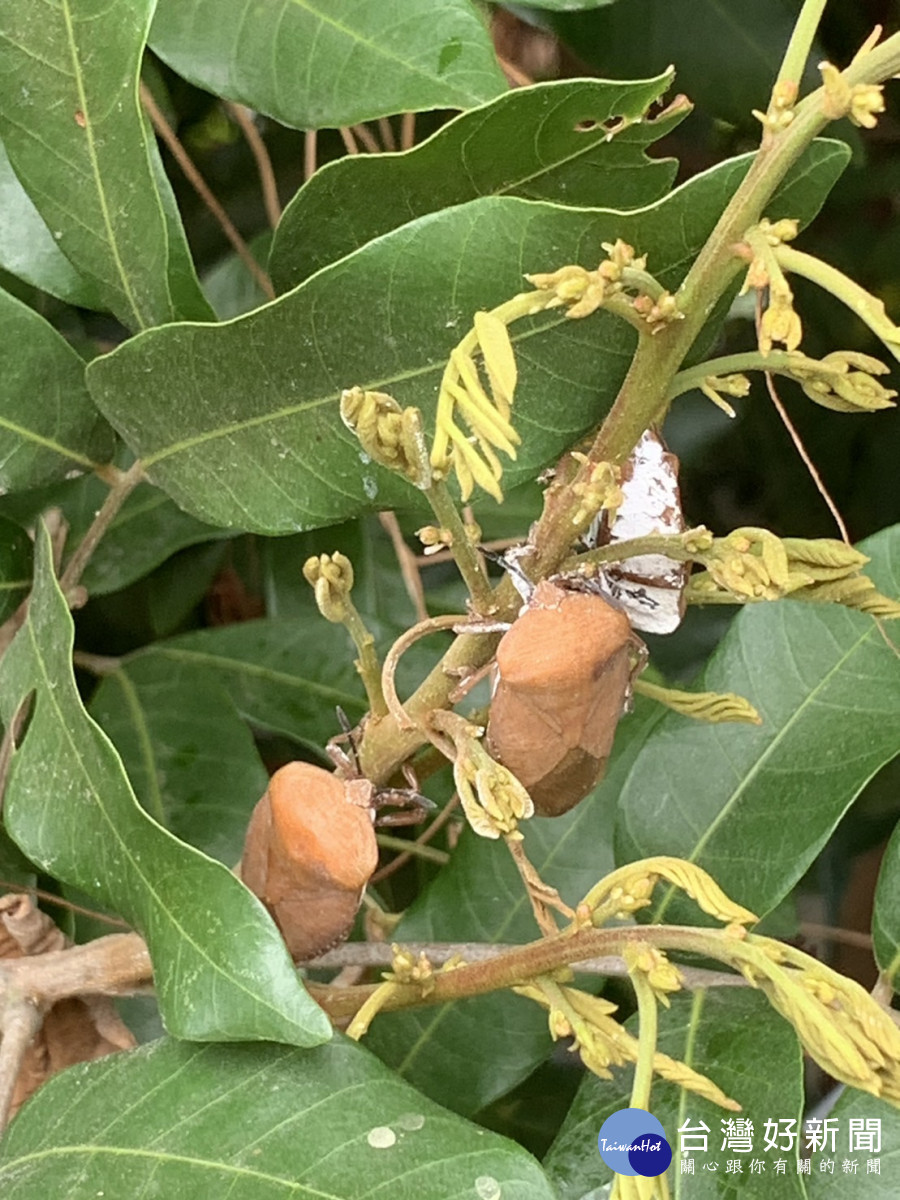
x=632, y=1142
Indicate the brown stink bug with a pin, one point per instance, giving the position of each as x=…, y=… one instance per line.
x=562, y=679
x=310, y=850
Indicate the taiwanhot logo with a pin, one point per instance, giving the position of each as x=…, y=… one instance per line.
x=632, y=1142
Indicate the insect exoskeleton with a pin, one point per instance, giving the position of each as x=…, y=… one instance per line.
x=563, y=678
x=310, y=850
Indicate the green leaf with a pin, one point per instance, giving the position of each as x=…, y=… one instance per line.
x=221, y=969
x=573, y=158
x=49, y=425
x=282, y=675
x=886, y=916
x=73, y=129
x=15, y=567
x=640, y=37
x=311, y=65
x=28, y=249
x=239, y=423
x=470, y=1052
x=733, y=1037
x=765, y=799
x=863, y=1183
x=230, y=288
x=148, y=528
x=252, y=1123
x=191, y=759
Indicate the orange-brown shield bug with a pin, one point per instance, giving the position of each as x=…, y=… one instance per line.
x=310, y=850
x=562, y=680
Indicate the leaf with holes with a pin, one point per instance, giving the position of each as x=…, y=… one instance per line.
x=767, y=798
x=49, y=425
x=323, y=65
x=74, y=132
x=252, y=1123
x=239, y=423
x=221, y=969
x=587, y=148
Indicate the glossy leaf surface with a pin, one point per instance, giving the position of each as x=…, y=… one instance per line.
x=15, y=567
x=827, y=687
x=252, y=1123
x=221, y=968
x=886, y=917
x=73, y=129
x=586, y=147
x=721, y=1033
x=239, y=423
x=28, y=248
x=48, y=423
x=314, y=65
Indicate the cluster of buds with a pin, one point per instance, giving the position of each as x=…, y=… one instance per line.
x=601, y=491
x=838, y=1022
x=630, y=888
x=844, y=381
x=662, y=976
x=716, y=387
x=780, y=113
x=619, y=275
x=780, y=322
x=492, y=798
x=331, y=578
x=601, y=1042
x=861, y=102
x=753, y=564
x=390, y=435
x=434, y=538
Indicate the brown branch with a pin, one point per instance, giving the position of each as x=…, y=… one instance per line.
x=422, y=840
x=125, y=484
x=408, y=563
x=407, y=131
x=387, y=134
x=309, y=154
x=348, y=139
x=267, y=180
x=200, y=186
x=367, y=138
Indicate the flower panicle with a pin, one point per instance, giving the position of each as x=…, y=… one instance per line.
x=713, y=707
x=602, y=1042
x=492, y=798
x=392, y=436
x=629, y=888
x=841, y=1026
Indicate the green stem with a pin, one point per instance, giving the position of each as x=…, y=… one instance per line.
x=642, y=401
x=643, y=397
x=847, y=290
x=778, y=362
x=416, y=849
x=461, y=547
x=367, y=664
x=648, y=1017
x=800, y=45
